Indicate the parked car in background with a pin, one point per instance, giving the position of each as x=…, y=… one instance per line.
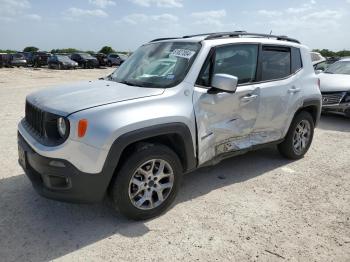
x=18, y=60
x=323, y=65
x=38, y=59
x=4, y=60
x=335, y=88
x=101, y=58
x=174, y=106
x=61, y=62
x=85, y=60
x=116, y=59
x=27, y=55
x=316, y=58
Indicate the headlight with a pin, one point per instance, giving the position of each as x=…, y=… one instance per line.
x=62, y=127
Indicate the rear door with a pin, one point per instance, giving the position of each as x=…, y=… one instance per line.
x=225, y=120
x=280, y=88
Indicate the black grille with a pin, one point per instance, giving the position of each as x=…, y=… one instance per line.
x=35, y=118
x=332, y=98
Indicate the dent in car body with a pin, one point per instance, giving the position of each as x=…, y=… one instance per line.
x=224, y=120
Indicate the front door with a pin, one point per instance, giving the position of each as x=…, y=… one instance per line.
x=226, y=120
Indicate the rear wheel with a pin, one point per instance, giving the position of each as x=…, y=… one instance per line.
x=299, y=136
x=147, y=183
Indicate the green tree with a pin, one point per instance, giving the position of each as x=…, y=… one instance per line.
x=64, y=50
x=8, y=51
x=30, y=49
x=107, y=50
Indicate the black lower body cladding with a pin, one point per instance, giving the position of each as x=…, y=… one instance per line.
x=59, y=179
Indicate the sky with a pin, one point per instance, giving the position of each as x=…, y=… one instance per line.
x=127, y=24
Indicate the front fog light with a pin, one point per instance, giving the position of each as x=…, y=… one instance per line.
x=61, y=126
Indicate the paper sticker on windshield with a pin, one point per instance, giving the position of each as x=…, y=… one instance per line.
x=183, y=53
x=170, y=77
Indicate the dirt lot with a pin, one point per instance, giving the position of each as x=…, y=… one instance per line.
x=256, y=207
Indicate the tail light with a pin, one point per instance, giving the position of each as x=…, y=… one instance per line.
x=319, y=83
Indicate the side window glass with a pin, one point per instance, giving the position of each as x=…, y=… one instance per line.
x=236, y=60
x=204, y=78
x=296, y=60
x=275, y=62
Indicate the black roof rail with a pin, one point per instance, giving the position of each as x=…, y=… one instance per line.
x=232, y=34
x=161, y=39
x=243, y=33
x=188, y=36
x=203, y=34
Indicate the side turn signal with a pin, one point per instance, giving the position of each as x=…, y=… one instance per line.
x=82, y=127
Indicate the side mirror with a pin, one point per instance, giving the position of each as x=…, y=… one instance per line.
x=319, y=71
x=225, y=82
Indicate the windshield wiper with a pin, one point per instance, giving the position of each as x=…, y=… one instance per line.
x=126, y=82
x=138, y=84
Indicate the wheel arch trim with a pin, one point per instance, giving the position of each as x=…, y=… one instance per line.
x=139, y=135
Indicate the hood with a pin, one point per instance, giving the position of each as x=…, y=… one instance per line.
x=70, y=98
x=334, y=82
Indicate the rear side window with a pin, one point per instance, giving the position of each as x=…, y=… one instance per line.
x=235, y=60
x=296, y=60
x=275, y=63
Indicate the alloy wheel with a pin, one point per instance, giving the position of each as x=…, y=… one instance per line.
x=151, y=184
x=301, y=137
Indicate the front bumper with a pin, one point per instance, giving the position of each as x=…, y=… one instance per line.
x=19, y=63
x=69, y=66
x=343, y=108
x=60, y=180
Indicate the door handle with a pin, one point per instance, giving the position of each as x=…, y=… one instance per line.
x=248, y=98
x=294, y=90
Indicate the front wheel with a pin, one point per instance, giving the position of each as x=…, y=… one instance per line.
x=147, y=183
x=299, y=136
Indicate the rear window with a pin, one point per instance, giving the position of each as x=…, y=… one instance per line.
x=276, y=62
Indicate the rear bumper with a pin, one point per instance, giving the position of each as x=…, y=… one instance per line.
x=343, y=108
x=60, y=180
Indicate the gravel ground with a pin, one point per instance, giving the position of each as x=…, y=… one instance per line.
x=255, y=207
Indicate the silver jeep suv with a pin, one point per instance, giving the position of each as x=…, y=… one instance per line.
x=175, y=105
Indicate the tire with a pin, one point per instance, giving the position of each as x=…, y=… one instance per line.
x=109, y=63
x=124, y=192
x=293, y=147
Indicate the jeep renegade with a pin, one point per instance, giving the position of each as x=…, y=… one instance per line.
x=175, y=105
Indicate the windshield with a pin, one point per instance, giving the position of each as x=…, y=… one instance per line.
x=86, y=56
x=123, y=56
x=19, y=56
x=157, y=64
x=341, y=67
x=63, y=58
